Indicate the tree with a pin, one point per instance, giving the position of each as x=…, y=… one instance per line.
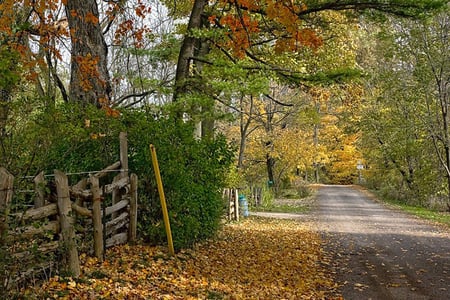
x=406, y=127
x=89, y=75
x=251, y=29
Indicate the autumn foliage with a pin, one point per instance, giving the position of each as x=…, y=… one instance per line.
x=254, y=259
x=249, y=23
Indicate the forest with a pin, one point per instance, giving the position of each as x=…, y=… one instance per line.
x=233, y=94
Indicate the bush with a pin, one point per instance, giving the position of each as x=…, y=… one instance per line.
x=193, y=174
x=193, y=171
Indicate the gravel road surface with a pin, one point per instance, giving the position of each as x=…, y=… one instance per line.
x=380, y=253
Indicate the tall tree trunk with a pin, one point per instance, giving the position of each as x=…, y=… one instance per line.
x=89, y=77
x=207, y=122
x=243, y=128
x=316, y=162
x=187, y=50
x=270, y=163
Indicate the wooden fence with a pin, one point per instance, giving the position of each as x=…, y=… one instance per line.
x=256, y=195
x=231, y=197
x=63, y=221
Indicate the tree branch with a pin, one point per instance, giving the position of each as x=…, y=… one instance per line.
x=123, y=98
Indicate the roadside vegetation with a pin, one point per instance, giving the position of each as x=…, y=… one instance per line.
x=233, y=94
x=296, y=199
x=438, y=217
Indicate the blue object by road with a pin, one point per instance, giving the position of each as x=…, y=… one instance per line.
x=243, y=206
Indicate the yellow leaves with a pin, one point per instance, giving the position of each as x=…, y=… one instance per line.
x=254, y=259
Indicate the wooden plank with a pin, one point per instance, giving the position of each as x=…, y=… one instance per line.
x=39, y=188
x=33, y=214
x=42, y=249
x=115, y=194
x=120, y=238
x=121, y=183
x=116, y=207
x=80, y=186
x=106, y=170
x=30, y=231
x=132, y=234
x=109, y=188
x=83, y=211
x=117, y=223
x=97, y=218
x=79, y=193
x=66, y=223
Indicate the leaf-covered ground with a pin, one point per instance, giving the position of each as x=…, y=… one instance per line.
x=253, y=259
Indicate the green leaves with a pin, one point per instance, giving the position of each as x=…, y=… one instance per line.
x=9, y=70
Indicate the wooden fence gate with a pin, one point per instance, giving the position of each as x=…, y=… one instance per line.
x=89, y=216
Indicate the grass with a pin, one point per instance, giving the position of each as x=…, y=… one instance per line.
x=442, y=218
x=299, y=209
x=288, y=202
x=435, y=216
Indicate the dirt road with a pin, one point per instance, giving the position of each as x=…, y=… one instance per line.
x=381, y=253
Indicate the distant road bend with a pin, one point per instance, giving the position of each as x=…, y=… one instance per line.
x=382, y=253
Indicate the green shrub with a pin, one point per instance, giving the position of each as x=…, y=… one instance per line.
x=193, y=174
x=193, y=171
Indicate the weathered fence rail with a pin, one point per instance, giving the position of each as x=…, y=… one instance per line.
x=107, y=214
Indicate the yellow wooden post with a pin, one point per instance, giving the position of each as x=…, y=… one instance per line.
x=162, y=199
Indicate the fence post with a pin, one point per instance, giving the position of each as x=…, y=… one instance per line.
x=66, y=223
x=236, y=204
x=123, y=154
x=97, y=218
x=6, y=192
x=39, y=182
x=133, y=208
x=116, y=195
x=227, y=196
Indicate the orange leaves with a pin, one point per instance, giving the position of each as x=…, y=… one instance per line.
x=111, y=112
x=240, y=30
x=284, y=12
x=87, y=66
x=130, y=27
x=308, y=37
x=254, y=259
x=142, y=10
x=278, y=19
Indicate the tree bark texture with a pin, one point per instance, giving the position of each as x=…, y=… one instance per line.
x=89, y=77
x=188, y=49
